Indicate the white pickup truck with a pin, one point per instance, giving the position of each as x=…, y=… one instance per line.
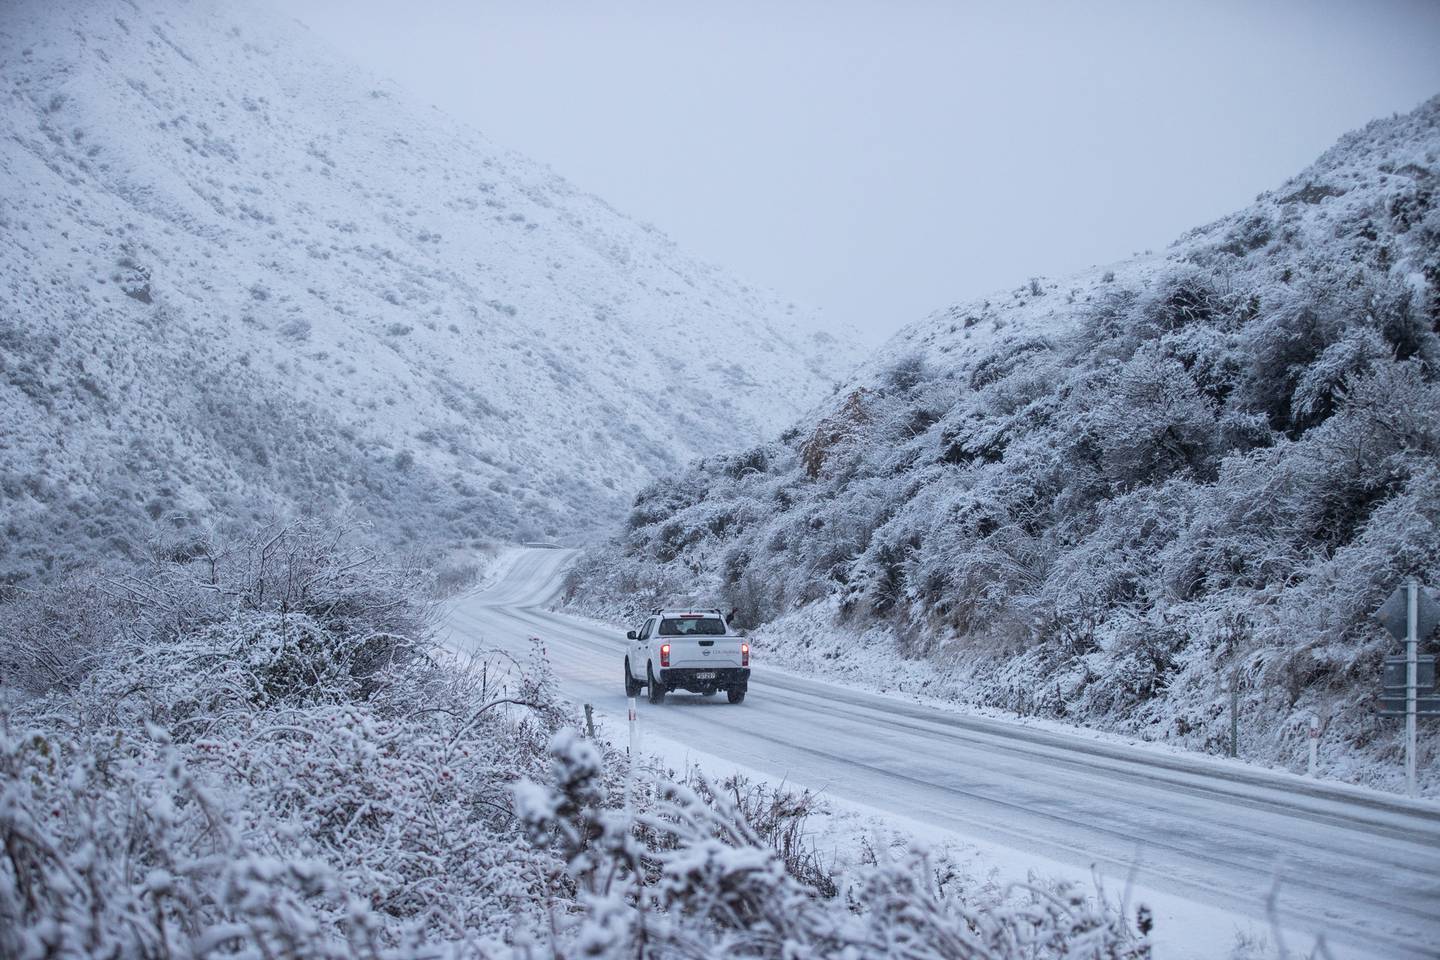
x=686, y=650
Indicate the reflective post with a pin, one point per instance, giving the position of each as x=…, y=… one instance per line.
x=1234, y=710
x=634, y=735
x=1314, y=745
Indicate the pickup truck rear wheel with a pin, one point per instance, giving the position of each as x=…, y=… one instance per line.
x=632, y=686
x=657, y=689
x=735, y=694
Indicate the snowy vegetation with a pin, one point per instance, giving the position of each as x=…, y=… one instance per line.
x=240, y=277
x=254, y=751
x=1098, y=499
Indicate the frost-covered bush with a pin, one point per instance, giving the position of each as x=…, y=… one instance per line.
x=264, y=759
x=456, y=576
x=685, y=872
x=54, y=635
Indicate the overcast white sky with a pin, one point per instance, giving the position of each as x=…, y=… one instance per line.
x=881, y=160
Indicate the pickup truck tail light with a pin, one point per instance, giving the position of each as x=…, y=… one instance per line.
x=744, y=654
x=664, y=654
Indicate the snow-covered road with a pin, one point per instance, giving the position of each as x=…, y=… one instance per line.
x=1362, y=867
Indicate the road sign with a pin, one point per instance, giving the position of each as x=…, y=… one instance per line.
x=1395, y=674
x=1392, y=704
x=1392, y=694
x=1392, y=614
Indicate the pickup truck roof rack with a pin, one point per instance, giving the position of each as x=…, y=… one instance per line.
x=715, y=610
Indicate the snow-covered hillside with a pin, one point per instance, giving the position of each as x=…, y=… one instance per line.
x=242, y=277
x=1097, y=498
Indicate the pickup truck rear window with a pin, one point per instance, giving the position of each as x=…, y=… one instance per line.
x=692, y=627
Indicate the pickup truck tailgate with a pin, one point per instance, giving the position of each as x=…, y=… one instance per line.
x=701, y=652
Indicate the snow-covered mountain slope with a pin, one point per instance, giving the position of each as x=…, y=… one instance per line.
x=241, y=276
x=1092, y=498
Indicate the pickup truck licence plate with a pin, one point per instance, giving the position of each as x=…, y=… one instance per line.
x=704, y=676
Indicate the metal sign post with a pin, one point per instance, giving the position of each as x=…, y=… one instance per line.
x=1410, y=614
x=1412, y=645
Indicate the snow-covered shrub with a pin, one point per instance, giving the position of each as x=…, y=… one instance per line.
x=778, y=818
x=133, y=279
x=455, y=577
x=686, y=872
x=55, y=634
x=259, y=762
x=296, y=328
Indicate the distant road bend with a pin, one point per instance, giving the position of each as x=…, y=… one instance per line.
x=1360, y=866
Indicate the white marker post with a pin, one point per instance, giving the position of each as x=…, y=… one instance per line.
x=1412, y=680
x=1314, y=745
x=634, y=735
x=1234, y=711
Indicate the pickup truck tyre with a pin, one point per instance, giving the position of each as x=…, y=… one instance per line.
x=656, y=688
x=735, y=695
x=632, y=686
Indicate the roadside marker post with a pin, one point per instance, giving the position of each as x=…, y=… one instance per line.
x=634, y=734
x=631, y=753
x=1314, y=745
x=1235, y=712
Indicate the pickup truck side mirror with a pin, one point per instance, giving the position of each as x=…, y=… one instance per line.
x=630, y=635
